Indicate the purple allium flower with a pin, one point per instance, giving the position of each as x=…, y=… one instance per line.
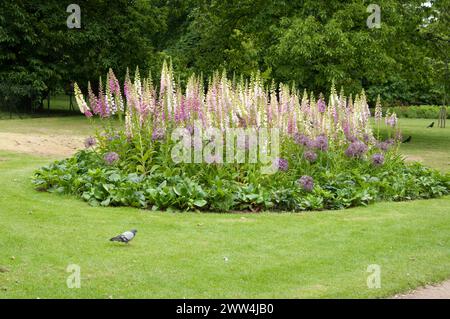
x=310, y=144
x=282, y=164
x=306, y=182
x=310, y=156
x=378, y=159
x=301, y=139
x=321, y=142
x=89, y=142
x=158, y=134
x=111, y=157
x=321, y=106
x=351, y=138
x=390, y=141
x=356, y=149
x=384, y=146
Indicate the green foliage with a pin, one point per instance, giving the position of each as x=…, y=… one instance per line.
x=313, y=43
x=339, y=184
x=422, y=111
x=39, y=53
x=310, y=43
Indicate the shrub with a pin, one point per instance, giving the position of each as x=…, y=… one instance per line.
x=422, y=111
x=317, y=155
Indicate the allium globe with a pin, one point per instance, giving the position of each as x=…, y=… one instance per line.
x=301, y=139
x=356, y=149
x=111, y=157
x=282, y=164
x=306, y=182
x=378, y=159
x=89, y=142
x=310, y=156
x=321, y=143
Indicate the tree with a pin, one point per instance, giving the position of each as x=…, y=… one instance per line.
x=39, y=53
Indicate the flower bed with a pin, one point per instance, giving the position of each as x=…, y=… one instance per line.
x=238, y=145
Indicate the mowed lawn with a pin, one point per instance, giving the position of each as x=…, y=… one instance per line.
x=198, y=255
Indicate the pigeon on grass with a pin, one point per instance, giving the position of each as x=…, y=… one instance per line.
x=125, y=237
x=408, y=140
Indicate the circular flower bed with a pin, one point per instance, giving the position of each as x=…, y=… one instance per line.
x=239, y=146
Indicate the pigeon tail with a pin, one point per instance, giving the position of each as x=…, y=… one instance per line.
x=117, y=238
x=125, y=237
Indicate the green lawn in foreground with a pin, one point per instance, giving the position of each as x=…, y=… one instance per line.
x=316, y=254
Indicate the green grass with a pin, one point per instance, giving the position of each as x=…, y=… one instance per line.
x=428, y=145
x=316, y=254
x=76, y=125
x=59, y=106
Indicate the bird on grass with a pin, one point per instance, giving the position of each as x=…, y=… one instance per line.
x=125, y=237
x=431, y=125
x=408, y=139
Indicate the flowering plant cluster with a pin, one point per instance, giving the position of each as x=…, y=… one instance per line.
x=228, y=103
x=326, y=154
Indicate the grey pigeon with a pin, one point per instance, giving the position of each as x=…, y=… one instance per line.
x=125, y=237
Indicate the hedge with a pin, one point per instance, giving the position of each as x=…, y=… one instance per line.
x=417, y=111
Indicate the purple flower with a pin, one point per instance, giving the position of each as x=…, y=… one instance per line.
x=391, y=120
x=351, y=138
x=89, y=142
x=158, y=134
x=111, y=157
x=321, y=106
x=310, y=144
x=384, y=146
x=378, y=159
x=390, y=141
x=306, y=182
x=356, y=149
x=310, y=156
x=321, y=142
x=282, y=164
x=88, y=113
x=301, y=139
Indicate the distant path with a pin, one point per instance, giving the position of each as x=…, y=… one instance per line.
x=441, y=291
x=47, y=145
